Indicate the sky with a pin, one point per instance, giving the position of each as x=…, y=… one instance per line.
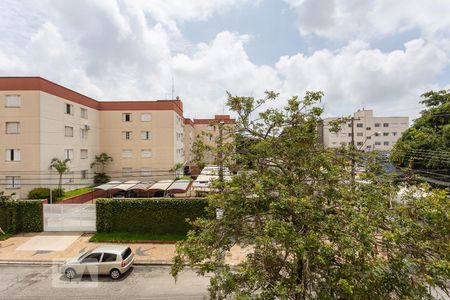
x=372, y=54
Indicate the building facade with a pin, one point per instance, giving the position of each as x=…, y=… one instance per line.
x=370, y=133
x=41, y=120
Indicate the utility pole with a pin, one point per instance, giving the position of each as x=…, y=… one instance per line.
x=353, y=148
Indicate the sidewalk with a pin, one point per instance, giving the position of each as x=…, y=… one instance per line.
x=46, y=248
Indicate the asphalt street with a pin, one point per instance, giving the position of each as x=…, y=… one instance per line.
x=140, y=282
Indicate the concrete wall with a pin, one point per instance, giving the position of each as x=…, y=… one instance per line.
x=27, y=140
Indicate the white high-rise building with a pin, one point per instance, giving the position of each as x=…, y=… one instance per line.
x=370, y=133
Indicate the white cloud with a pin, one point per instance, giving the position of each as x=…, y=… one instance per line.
x=356, y=19
x=125, y=50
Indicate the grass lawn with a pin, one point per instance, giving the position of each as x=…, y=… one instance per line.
x=5, y=236
x=134, y=237
x=73, y=193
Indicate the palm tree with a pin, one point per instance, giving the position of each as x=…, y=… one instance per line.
x=61, y=166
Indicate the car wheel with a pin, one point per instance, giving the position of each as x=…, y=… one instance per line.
x=70, y=273
x=115, y=274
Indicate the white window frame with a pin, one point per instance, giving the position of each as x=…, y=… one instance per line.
x=70, y=106
x=146, y=153
x=83, y=113
x=12, y=182
x=13, y=101
x=9, y=131
x=84, y=153
x=127, y=153
x=146, y=117
x=13, y=155
x=83, y=133
x=127, y=135
x=124, y=117
x=146, y=135
x=68, y=154
x=70, y=128
x=146, y=171
x=127, y=172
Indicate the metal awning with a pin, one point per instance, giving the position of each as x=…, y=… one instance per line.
x=145, y=186
x=128, y=185
x=179, y=186
x=108, y=186
x=161, y=185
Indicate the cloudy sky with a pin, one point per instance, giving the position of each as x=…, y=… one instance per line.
x=378, y=54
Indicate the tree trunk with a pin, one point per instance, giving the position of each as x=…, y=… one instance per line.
x=60, y=181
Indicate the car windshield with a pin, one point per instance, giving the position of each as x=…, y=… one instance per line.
x=83, y=255
x=126, y=253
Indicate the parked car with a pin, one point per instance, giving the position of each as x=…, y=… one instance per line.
x=112, y=260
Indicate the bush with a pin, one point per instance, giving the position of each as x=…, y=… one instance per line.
x=44, y=193
x=21, y=216
x=156, y=216
x=100, y=178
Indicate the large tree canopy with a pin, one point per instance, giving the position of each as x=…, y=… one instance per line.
x=426, y=144
x=310, y=232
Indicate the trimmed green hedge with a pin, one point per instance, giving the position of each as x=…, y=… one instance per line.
x=157, y=216
x=21, y=216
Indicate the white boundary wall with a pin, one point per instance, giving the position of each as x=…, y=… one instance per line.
x=69, y=217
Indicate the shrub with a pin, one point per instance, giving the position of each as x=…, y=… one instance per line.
x=100, y=178
x=21, y=216
x=157, y=216
x=44, y=193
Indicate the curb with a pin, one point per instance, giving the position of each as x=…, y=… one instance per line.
x=58, y=262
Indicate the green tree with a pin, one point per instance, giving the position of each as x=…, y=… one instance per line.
x=100, y=162
x=199, y=149
x=426, y=144
x=61, y=166
x=311, y=234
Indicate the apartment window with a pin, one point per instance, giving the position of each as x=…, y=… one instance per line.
x=83, y=113
x=69, y=109
x=359, y=125
x=12, y=154
x=68, y=154
x=12, y=127
x=385, y=124
x=84, y=174
x=210, y=128
x=68, y=131
x=127, y=153
x=84, y=153
x=377, y=143
x=127, y=172
x=146, y=153
x=385, y=133
x=83, y=133
x=349, y=124
x=377, y=124
x=360, y=143
x=126, y=117
x=359, y=134
x=343, y=143
x=368, y=128
x=127, y=135
x=13, y=101
x=394, y=133
x=377, y=134
x=12, y=182
x=146, y=135
x=69, y=177
x=146, y=117
x=146, y=172
x=349, y=134
x=386, y=143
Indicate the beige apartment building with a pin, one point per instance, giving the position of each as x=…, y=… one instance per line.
x=41, y=120
x=370, y=133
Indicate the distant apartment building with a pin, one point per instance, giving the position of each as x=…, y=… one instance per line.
x=370, y=133
x=41, y=120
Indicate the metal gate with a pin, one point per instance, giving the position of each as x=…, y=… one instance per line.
x=69, y=217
